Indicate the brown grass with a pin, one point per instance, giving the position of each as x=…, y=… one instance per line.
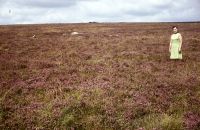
x=110, y=76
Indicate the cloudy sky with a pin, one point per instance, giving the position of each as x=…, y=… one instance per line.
x=76, y=11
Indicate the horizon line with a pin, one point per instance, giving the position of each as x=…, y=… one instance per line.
x=95, y=22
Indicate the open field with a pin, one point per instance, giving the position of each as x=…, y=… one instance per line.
x=108, y=77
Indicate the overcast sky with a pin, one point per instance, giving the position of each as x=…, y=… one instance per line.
x=76, y=11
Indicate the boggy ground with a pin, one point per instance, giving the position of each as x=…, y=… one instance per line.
x=108, y=77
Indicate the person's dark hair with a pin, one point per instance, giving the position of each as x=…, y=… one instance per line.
x=174, y=27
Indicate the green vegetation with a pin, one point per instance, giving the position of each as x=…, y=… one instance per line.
x=110, y=77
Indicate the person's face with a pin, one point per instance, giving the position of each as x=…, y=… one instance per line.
x=175, y=30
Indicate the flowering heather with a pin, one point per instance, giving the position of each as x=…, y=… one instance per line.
x=106, y=77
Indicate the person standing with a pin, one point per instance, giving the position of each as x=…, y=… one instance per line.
x=175, y=44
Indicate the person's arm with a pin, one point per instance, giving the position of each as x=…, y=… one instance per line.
x=170, y=44
x=181, y=41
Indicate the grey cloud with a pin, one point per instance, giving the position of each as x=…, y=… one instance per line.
x=48, y=11
x=46, y=3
